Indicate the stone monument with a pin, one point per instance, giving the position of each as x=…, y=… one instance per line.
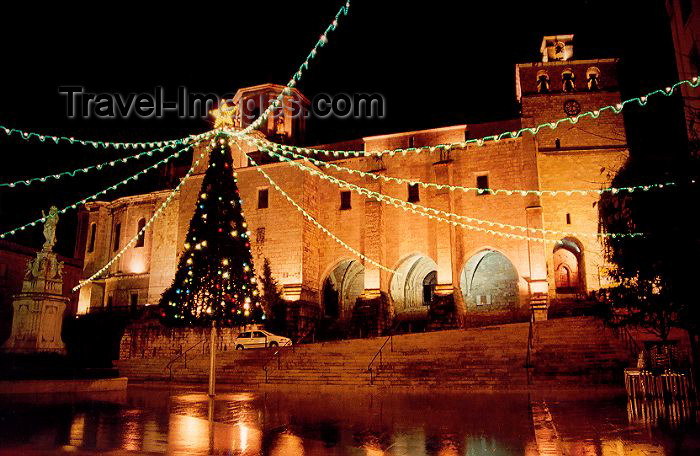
x=38, y=308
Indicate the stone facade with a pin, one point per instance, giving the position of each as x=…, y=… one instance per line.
x=467, y=272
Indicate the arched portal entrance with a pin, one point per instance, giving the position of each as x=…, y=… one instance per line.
x=413, y=284
x=489, y=281
x=344, y=284
x=568, y=266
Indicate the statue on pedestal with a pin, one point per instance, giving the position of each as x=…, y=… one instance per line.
x=38, y=308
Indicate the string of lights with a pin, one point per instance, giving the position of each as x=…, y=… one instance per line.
x=84, y=170
x=98, y=194
x=493, y=191
x=435, y=213
x=616, y=109
x=28, y=135
x=317, y=224
x=141, y=232
x=323, y=39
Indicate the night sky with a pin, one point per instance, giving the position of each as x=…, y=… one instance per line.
x=436, y=64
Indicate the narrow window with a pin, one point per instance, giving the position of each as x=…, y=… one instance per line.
x=413, y=193
x=93, y=233
x=411, y=141
x=482, y=184
x=568, y=81
x=557, y=143
x=134, y=301
x=593, y=79
x=110, y=301
x=263, y=196
x=142, y=234
x=344, y=200
x=117, y=235
x=542, y=82
x=568, y=219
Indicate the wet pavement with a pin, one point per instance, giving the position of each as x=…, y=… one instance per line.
x=182, y=421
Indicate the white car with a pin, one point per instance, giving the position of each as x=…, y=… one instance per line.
x=260, y=339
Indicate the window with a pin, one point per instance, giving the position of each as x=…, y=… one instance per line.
x=110, y=301
x=557, y=143
x=117, y=235
x=411, y=141
x=482, y=183
x=344, y=200
x=568, y=219
x=134, y=301
x=93, y=233
x=413, y=193
x=593, y=78
x=263, y=197
x=568, y=81
x=142, y=234
x=542, y=82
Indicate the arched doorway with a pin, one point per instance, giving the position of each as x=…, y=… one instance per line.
x=413, y=285
x=341, y=289
x=489, y=281
x=568, y=266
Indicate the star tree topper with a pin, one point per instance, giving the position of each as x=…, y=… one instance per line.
x=225, y=115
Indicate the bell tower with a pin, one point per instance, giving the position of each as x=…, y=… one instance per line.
x=583, y=154
x=287, y=124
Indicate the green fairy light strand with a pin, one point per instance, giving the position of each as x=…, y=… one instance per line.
x=27, y=135
x=296, y=77
x=616, y=108
x=141, y=232
x=94, y=196
x=495, y=191
x=86, y=169
x=308, y=216
x=437, y=213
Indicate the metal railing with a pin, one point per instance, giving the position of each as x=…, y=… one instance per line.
x=181, y=355
x=530, y=346
x=278, y=353
x=389, y=340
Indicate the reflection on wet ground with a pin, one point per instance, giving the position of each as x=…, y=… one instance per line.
x=181, y=421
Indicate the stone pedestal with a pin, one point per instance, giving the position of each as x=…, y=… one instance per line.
x=539, y=306
x=38, y=308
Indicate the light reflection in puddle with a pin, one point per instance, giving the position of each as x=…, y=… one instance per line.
x=344, y=423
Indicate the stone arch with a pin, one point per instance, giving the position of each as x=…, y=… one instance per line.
x=593, y=78
x=542, y=82
x=568, y=80
x=569, y=274
x=341, y=288
x=412, y=286
x=489, y=281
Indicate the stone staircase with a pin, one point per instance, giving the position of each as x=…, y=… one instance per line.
x=568, y=352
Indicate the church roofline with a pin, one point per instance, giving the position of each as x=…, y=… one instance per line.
x=565, y=62
x=269, y=85
x=415, y=132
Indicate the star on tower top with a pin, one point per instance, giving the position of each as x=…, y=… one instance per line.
x=225, y=115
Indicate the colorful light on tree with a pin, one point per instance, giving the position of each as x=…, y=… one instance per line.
x=215, y=279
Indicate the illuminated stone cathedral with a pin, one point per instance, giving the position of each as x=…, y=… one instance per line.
x=444, y=273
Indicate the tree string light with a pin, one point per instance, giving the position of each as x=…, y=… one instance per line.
x=141, y=232
x=616, y=109
x=322, y=41
x=94, y=196
x=427, y=211
x=398, y=180
x=27, y=135
x=317, y=224
x=84, y=170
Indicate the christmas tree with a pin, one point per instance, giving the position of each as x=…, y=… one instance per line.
x=215, y=279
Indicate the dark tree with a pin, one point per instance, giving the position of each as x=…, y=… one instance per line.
x=272, y=302
x=215, y=279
